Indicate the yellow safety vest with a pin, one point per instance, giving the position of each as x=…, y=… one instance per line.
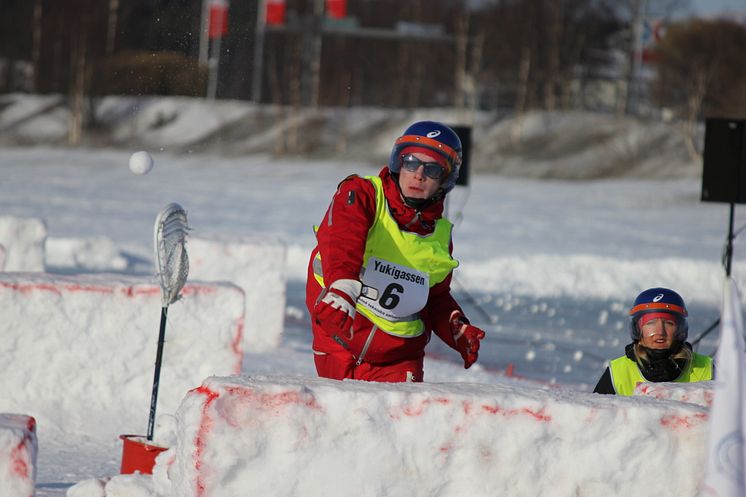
x=407, y=264
x=625, y=374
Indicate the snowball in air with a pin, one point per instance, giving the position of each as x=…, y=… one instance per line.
x=141, y=162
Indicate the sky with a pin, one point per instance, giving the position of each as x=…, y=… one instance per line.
x=713, y=7
x=548, y=269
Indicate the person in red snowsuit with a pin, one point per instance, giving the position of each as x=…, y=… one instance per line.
x=379, y=278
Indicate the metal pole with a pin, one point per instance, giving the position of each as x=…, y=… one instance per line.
x=36, y=43
x=729, y=246
x=214, y=60
x=727, y=259
x=316, y=50
x=213, y=64
x=111, y=30
x=258, y=76
x=204, y=42
x=633, y=86
x=157, y=374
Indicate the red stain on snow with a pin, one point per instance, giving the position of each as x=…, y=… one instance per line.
x=676, y=422
x=539, y=415
x=236, y=345
x=198, y=290
x=28, y=288
x=592, y=415
x=204, y=428
x=129, y=291
x=273, y=401
x=265, y=400
x=469, y=409
x=419, y=408
x=19, y=460
x=20, y=455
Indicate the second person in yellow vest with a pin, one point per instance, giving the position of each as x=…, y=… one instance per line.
x=659, y=351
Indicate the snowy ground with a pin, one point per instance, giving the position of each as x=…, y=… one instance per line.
x=548, y=268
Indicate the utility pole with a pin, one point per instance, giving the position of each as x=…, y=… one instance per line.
x=111, y=29
x=218, y=27
x=36, y=43
x=257, y=79
x=204, y=42
x=312, y=55
x=639, y=8
x=318, y=18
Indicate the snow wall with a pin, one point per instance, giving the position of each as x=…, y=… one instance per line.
x=352, y=438
x=257, y=265
x=23, y=243
x=93, y=339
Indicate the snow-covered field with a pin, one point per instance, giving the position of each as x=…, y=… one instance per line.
x=548, y=269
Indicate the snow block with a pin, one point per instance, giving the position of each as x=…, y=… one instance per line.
x=18, y=448
x=96, y=253
x=257, y=265
x=103, y=329
x=23, y=239
x=699, y=393
x=356, y=438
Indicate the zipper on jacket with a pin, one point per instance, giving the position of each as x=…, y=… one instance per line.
x=367, y=344
x=416, y=218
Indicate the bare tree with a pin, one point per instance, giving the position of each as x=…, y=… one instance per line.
x=700, y=72
x=534, y=47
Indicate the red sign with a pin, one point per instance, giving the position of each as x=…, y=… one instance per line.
x=275, y=12
x=218, y=19
x=336, y=9
x=652, y=34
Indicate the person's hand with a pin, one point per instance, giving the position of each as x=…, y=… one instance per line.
x=336, y=309
x=467, y=338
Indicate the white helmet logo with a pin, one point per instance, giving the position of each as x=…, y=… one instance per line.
x=433, y=134
x=658, y=297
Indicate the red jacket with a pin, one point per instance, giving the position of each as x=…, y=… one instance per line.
x=341, y=241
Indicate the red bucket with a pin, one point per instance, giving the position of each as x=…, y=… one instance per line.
x=138, y=454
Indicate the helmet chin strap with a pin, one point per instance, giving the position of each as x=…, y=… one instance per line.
x=420, y=203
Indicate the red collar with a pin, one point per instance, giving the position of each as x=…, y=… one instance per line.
x=404, y=214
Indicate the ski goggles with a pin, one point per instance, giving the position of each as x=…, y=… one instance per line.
x=432, y=170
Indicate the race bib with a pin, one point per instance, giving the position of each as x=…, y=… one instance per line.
x=402, y=291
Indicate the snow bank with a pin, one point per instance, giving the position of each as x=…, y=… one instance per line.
x=23, y=239
x=572, y=145
x=357, y=438
x=595, y=276
x=587, y=145
x=257, y=265
x=91, y=342
x=158, y=121
x=18, y=447
x=34, y=119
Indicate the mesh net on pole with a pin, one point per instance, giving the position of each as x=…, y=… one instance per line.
x=171, y=230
